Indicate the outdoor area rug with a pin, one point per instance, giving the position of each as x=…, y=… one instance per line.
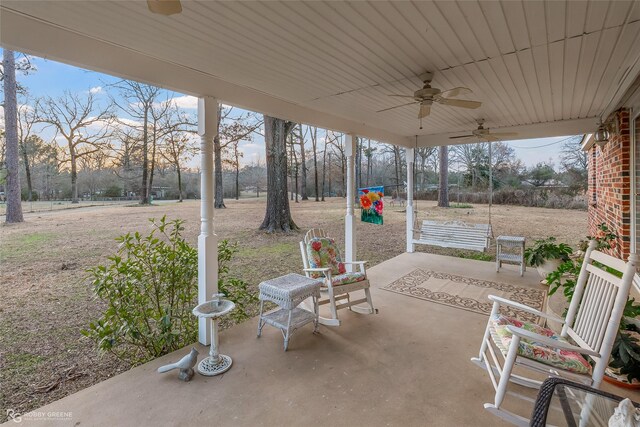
x=467, y=293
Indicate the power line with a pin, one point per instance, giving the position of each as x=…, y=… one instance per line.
x=547, y=145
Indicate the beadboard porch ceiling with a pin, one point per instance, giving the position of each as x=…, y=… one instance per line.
x=541, y=68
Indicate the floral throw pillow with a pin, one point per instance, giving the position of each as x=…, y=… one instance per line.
x=322, y=252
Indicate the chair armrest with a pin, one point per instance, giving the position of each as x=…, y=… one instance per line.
x=549, y=342
x=519, y=306
x=321, y=270
x=361, y=264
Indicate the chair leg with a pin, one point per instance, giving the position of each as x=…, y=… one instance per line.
x=506, y=371
x=367, y=292
x=332, y=304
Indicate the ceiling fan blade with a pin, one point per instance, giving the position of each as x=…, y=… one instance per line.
x=463, y=103
x=489, y=137
x=397, y=106
x=504, y=134
x=455, y=92
x=461, y=136
x=425, y=110
x=164, y=7
x=402, y=96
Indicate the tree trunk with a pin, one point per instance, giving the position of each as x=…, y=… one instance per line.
x=278, y=214
x=74, y=174
x=443, y=191
x=178, y=171
x=329, y=174
x=303, y=161
x=324, y=169
x=152, y=167
x=144, y=196
x=358, y=160
x=27, y=170
x=237, y=175
x=14, y=202
x=315, y=162
x=217, y=158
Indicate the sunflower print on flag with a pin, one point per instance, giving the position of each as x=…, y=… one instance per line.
x=372, y=204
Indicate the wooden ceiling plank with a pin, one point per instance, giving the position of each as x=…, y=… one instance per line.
x=492, y=12
x=480, y=26
x=527, y=65
x=508, y=89
x=621, y=56
x=596, y=15
x=536, y=22
x=577, y=11
x=556, y=20
x=556, y=74
x=457, y=21
x=434, y=19
x=524, y=92
x=517, y=23
x=588, y=49
x=570, y=70
x=606, y=44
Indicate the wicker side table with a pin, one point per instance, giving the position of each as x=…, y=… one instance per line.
x=516, y=242
x=288, y=292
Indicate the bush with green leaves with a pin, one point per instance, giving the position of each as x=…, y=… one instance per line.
x=546, y=249
x=150, y=287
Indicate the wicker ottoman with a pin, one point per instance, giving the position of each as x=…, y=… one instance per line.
x=288, y=292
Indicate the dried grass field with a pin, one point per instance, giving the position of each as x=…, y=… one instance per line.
x=45, y=298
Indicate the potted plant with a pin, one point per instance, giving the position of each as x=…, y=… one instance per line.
x=624, y=365
x=547, y=255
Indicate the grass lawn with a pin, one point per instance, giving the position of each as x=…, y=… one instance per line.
x=45, y=299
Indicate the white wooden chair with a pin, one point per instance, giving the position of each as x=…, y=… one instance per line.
x=591, y=323
x=338, y=284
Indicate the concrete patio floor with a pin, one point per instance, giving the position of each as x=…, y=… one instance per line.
x=407, y=366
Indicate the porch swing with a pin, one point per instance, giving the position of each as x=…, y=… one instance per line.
x=457, y=234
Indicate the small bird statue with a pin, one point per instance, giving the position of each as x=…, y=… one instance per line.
x=185, y=365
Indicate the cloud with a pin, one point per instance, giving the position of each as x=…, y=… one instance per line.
x=186, y=101
x=95, y=90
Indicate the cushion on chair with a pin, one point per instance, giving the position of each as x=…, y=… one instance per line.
x=347, y=278
x=562, y=359
x=322, y=252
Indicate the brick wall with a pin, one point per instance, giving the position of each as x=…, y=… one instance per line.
x=610, y=185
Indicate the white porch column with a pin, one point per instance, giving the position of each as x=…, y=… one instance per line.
x=410, y=212
x=207, y=240
x=349, y=220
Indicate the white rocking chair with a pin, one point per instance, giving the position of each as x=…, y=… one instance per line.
x=592, y=323
x=338, y=284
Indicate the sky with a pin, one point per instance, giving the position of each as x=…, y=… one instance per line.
x=54, y=78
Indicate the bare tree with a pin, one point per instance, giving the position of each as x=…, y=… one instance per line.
x=138, y=101
x=231, y=129
x=303, y=163
x=177, y=147
x=82, y=123
x=443, y=190
x=424, y=154
x=278, y=214
x=314, y=147
x=14, y=202
x=26, y=120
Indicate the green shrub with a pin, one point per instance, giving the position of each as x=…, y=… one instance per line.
x=149, y=288
x=546, y=249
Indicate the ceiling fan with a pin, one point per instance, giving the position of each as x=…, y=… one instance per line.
x=428, y=95
x=485, y=134
x=164, y=7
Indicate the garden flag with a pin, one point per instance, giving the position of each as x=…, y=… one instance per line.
x=372, y=204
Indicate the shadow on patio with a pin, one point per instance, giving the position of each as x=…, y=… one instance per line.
x=409, y=365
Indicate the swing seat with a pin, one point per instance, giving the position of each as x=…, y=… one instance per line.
x=454, y=234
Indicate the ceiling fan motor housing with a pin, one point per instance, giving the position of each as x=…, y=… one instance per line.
x=426, y=93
